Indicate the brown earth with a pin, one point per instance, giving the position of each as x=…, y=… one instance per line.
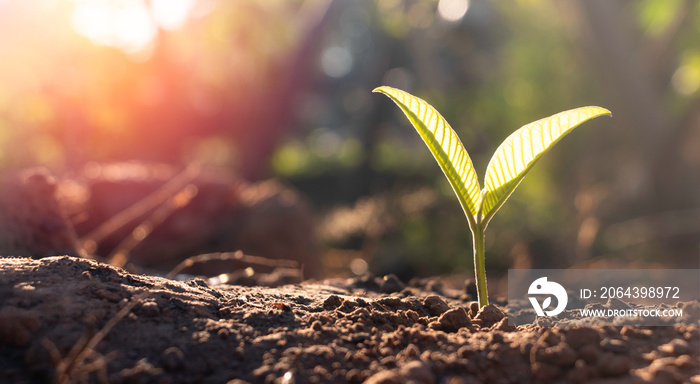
x=67, y=319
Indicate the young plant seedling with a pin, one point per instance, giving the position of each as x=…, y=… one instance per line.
x=506, y=169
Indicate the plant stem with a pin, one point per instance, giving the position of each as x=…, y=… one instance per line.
x=479, y=265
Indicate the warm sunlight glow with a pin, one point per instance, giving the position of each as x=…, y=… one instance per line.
x=171, y=14
x=124, y=24
x=130, y=25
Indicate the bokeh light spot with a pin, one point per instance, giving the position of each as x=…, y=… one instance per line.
x=336, y=61
x=686, y=79
x=452, y=11
x=358, y=266
x=289, y=159
x=325, y=143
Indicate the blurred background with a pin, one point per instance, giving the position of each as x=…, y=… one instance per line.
x=282, y=89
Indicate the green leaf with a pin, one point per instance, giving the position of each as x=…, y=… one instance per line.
x=519, y=152
x=445, y=147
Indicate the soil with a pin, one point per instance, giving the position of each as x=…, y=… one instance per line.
x=67, y=319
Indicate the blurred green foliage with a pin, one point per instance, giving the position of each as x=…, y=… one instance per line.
x=496, y=68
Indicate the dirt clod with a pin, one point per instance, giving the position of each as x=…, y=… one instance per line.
x=452, y=320
x=489, y=315
x=686, y=362
x=436, y=305
x=332, y=301
x=675, y=347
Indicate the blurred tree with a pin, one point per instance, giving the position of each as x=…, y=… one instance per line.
x=641, y=50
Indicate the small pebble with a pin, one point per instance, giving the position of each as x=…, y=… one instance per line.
x=223, y=333
x=173, y=359
x=149, y=309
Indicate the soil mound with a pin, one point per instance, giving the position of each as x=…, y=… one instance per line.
x=75, y=320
